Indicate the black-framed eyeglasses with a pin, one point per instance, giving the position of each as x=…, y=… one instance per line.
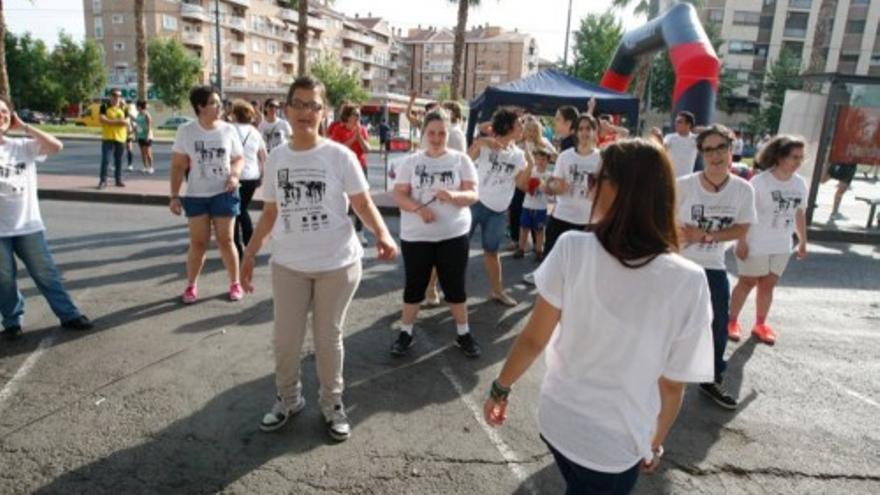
x=314, y=106
x=721, y=149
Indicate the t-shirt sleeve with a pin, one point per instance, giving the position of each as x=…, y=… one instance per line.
x=269, y=181
x=550, y=276
x=180, y=141
x=561, y=168
x=287, y=129
x=404, y=171
x=520, y=159
x=802, y=185
x=468, y=170
x=235, y=147
x=353, y=178
x=747, y=212
x=31, y=150
x=690, y=354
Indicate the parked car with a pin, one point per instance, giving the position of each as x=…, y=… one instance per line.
x=32, y=117
x=173, y=123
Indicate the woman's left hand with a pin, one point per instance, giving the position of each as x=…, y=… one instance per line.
x=386, y=247
x=444, y=195
x=802, y=250
x=495, y=413
x=691, y=234
x=650, y=466
x=231, y=183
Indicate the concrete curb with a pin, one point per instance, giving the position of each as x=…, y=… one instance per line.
x=87, y=137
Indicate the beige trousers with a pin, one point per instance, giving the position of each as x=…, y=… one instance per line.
x=327, y=294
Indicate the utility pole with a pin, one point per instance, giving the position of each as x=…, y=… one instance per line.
x=219, y=50
x=567, y=36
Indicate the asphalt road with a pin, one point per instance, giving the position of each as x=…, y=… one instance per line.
x=162, y=398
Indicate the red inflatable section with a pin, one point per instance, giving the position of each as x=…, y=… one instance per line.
x=615, y=81
x=693, y=63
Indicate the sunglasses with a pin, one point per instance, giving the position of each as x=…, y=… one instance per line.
x=314, y=106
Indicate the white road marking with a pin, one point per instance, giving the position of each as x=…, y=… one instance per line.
x=12, y=385
x=840, y=388
x=507, y=453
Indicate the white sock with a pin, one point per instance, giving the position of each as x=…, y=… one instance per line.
x=406, y=328
x=462, y=329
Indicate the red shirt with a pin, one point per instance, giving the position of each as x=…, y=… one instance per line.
x=341, y=133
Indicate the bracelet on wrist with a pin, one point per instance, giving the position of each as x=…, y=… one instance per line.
x=658, y=451
x=498, y=393
x=173, y=198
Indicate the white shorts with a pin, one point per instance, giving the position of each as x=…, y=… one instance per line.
x=763, y=264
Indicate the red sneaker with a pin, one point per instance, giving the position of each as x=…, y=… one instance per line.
x=764, y=333
x=190, y=294
x=734, y=331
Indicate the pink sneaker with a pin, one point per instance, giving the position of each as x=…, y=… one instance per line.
x=190, y=294
x=235, y=292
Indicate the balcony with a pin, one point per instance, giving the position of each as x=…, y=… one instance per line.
x=289, y=15
x=319, y=24
x=358, y=38
x=797, y=33
x=238, y=71
x=193, y=38
x=288, y=58
x=237, y=23
x=193, y=12
x=347, y=53
x=238, y=47
x=240, y=3
x=367, y=75
x=800, y=4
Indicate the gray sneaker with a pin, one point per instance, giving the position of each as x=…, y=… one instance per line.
x=280, y=413
x=338, y=426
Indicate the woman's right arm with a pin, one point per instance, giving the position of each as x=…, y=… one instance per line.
x=179, y=164
x=263, y=229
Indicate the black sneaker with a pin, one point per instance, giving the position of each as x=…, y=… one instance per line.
x=11, y=333
x=280, y=413
x=402, y=345
x=81, y=322
x=338, y=426
x=717, y=394
x=468, y=345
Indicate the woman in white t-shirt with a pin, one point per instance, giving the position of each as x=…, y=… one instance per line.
x=615, y=377
x=254, y=150
x=434, y=189
x=781, y=202
x=455, y=139
x=316, y=258
x=275, y=130
x=21, y=227
x=208, y=152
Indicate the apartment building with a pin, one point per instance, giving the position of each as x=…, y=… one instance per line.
x=756, y=31
x=492, y=56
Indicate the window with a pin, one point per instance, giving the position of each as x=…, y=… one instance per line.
x=255, y=67
x=117, y=19
x=96, y=6
x=855, y=27
x=761, y=51
x=800, y=4
x=849, y=58
x=169, y=23
x=271, y=47
x=746, y=18
x=796, y=25
x=875, y=60
x=495, y=79
x=437, y=78
x=859, y=2
x=438, y=48
x=256, y=45
x=99, y=27
x=270, y=69
x=794, y=48
x=741, y=47
x=119, y=46
x=716, y=15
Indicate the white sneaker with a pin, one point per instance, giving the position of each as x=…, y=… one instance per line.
x=280, y=413
x=130, y=168
x=151, y=171
x=529, y=278
x=338, y=426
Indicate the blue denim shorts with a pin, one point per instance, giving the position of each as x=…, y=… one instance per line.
x=492, y=226
x=532, y=219
x=225, y=204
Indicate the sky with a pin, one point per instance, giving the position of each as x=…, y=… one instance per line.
x=544, y=19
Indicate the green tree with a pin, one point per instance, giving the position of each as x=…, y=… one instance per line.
x=783, y=75
x=77, y=68
x=444, y=92
x=342, y=84
x=31, y=84
x=173, y=70
x=594, y=44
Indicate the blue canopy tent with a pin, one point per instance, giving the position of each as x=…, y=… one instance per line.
x=545, y=91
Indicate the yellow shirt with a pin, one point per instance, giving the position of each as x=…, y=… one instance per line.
x=114, y=132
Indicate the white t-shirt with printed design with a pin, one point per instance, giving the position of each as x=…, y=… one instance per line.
x=251, y=144
x=713, y=211
x=537, y=199
x=777, y=203
x=210, y=153
x=599, y=400
x=312, y=188
x=425, y=175
x=682, y=152
x=275, y=133
x=19, y=209
x=574, y=206
x=497, y=171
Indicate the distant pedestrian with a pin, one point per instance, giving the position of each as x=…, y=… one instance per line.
x=384, y=139
x=622, y=321
x=565, y=126
x=254, y=150
x=351, y=134
x=456, y=139
x=738, y=147
x=682, y=144
x=129, y=136
x=258, y=113
x=21, y=227
x=114, y=135
x=209, y=152
x=144, y=125
x=781, y=202
x=275, y=130
x=533, y=217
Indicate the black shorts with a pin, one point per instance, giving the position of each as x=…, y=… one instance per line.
x=555, y=228
x=145, y=142
x=449, y=256
x=844, y=172
x=386, y=145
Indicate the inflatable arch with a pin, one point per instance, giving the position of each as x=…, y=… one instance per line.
x=694, y=60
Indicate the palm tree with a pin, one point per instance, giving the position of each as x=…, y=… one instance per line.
x=302, y=37
x=458, y=47
x=140, y=45
x=4, y=77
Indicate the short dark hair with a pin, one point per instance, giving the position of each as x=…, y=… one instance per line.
x=431, y=105
x=199, y=96
x=688, y=117
x=348, y=111
x=714, y=130
x=776, y=149
x=503, y=121
x=585, y=117
x=569, y=114
x=308, y=83
x=437, y=114
x=454, y=110
x=640, y=224
x=270, y=102
x=141, y=104
x=115, y=92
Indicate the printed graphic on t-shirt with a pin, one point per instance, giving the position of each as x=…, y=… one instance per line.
x=211, y=159
x=426, y=183
x=784, y=205
x=712, y=218
x=273, y=137
x=579, y=179
x=302, y=206
x=499, y=172
x=12, y=178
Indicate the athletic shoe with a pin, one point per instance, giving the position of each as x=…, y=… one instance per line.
x=130, y=168
x=764, y=333
x=837, y=216
x=151, y=171
x=235, y=292
x=529, y=278
x=402, y=345
x=102, y=185
x=519, y=254
x=734, y=331
x=539, y=257
x=190, y=294
x=362, y=238
x=11, y=333
x=119, y=183
x=503, y=298
x=280, y=413
x=81, y=322
x=717, y=394
x=468, y=345
x=338, y=426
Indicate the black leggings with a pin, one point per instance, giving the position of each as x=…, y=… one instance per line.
x=515, y=212
x=244, y=227
x=449, y=256
x=555, y=228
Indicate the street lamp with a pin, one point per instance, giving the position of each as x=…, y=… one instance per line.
x=567, y=36
x=218, y=51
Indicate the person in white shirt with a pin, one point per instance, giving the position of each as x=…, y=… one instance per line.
x=781, y=202
x=275, y=130
x=22, y=230
x=208, y=152
x=682, y=144
x=714, y=207
x=533, y=217
x=434, y=189
x=615, y=376
x=499, y=162
x=455, y=139
x=316, y=257
x=254, y=150
x=738, y=147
